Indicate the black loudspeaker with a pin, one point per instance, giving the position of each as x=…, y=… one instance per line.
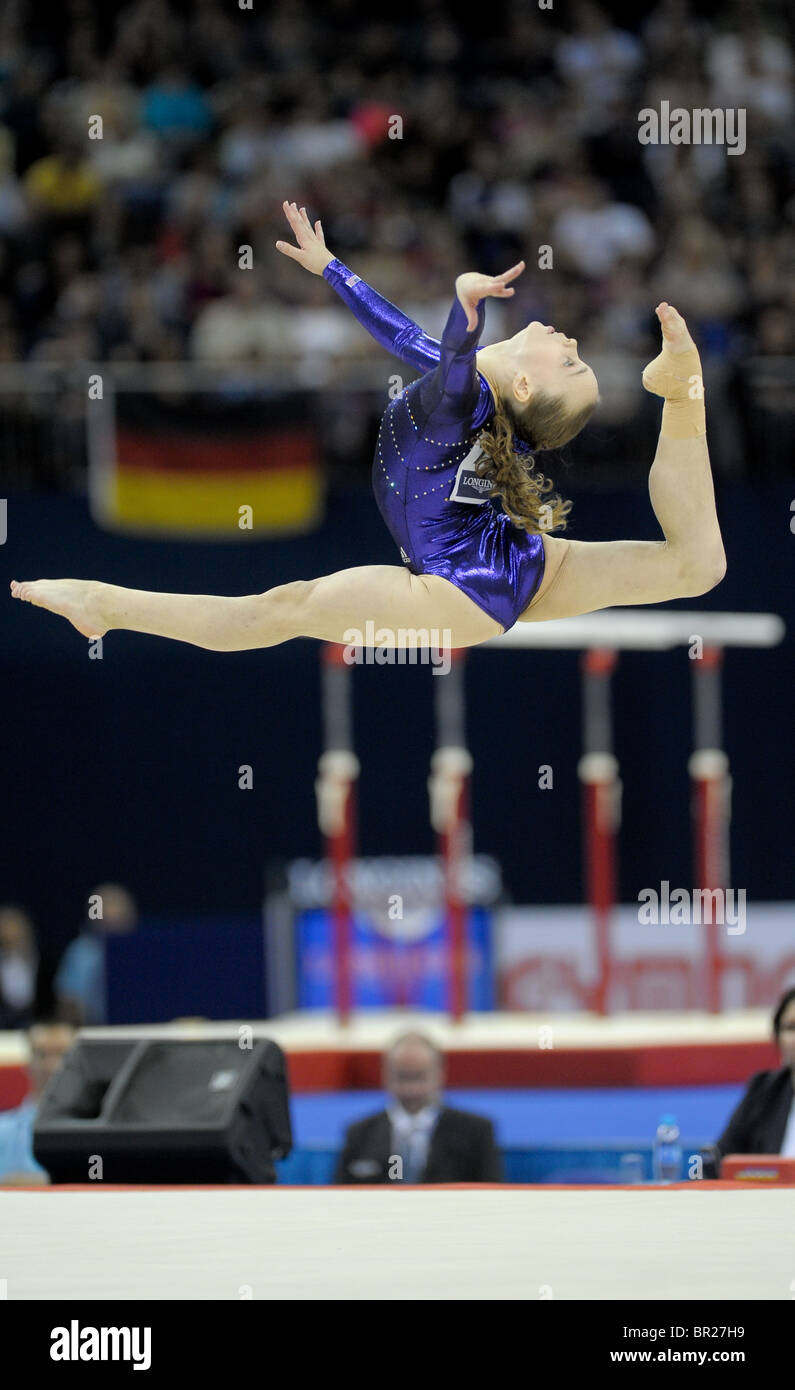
x=165, y=1112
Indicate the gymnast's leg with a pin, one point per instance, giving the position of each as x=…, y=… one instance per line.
x=582, y=576
x=387, y=596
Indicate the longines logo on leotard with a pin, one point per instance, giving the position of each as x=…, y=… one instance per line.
x=469, y=486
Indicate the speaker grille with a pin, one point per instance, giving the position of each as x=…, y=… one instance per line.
x=174, y=1085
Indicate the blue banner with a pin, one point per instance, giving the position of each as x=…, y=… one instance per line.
x=388, y=970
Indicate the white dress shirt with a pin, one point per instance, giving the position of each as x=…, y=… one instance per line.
x=411, y=1136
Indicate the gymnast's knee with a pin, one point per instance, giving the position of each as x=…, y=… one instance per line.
x=288, y=604
x=703, y=573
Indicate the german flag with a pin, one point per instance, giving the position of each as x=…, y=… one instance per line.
x=204, y=468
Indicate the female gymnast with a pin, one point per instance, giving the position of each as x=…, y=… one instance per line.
x=451, y=444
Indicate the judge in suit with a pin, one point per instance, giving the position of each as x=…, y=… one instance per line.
x=764, y=1120
x=418, y=1139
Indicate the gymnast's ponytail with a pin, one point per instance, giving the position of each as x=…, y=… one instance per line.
x=508, y=446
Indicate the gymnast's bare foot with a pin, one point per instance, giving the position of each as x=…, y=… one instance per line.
x=666, y=376
x=77, y=600
x=675, y=332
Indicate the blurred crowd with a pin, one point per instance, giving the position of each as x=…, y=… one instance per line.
x=47, y=1003
x=74, y=993
x=427, y=140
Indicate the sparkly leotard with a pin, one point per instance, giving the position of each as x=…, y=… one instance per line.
x=427, y=433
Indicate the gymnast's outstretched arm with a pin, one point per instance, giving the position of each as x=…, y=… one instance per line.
x=390, y=327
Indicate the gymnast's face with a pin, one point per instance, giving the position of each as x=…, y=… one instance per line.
x=541, y=359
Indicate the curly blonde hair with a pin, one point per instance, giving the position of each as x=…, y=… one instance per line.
x=543, y=424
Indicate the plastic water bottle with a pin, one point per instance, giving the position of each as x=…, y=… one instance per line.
x=667, y=1156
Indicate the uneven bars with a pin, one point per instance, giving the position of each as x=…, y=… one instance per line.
x=645, y=629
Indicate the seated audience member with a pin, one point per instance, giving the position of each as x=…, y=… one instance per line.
x=418, y=1138
x=62, y=187
x=19, y=965
x=80, y=985
x=764, y=1120
x=49, y=1044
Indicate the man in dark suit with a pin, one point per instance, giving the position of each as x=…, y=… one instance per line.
x=764, y=1120
x=418, y=1139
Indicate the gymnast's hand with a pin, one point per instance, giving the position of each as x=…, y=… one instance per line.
x=311, y=251
x=472, y=287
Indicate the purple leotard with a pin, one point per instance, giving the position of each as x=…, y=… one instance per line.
x=427, y=433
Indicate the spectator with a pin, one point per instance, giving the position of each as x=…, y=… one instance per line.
x=764, y=1120
x=127, y=158
x=80, y=984
x=246, y=142
x=597, y=62
x=698, y=275
x=238, y=327
x=313, y=141
x=776, y=331
x=594, y=233
x=752, y=67
x=418, y=1138
x=63, y=187
x=49, y=1044
x=19, y=964
x=176, y=109
x=13, y=207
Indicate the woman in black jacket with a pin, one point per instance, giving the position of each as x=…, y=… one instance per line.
x=764, y=1120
